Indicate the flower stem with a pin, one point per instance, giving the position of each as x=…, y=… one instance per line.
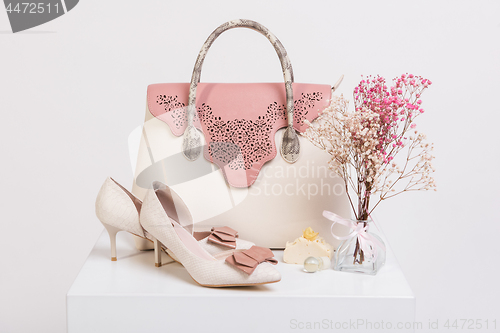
x=363, y=213
x=356, y=250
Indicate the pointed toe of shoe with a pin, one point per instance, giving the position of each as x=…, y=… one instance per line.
x=265, y=273
x=227, y=275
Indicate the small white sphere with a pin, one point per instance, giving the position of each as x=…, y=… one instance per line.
x=311, y=265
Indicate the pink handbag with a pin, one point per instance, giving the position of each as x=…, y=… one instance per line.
x=238, y=128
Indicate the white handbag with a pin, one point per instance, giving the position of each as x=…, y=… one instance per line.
x=239, y=181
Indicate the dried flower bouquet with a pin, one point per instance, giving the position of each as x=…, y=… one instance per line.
x=376, y=149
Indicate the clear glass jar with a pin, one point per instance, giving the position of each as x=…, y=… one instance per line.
x=362, y=253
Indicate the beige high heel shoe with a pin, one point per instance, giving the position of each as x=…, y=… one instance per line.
x=162, y=214
x=118, y=210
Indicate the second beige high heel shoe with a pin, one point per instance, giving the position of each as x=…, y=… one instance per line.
x=162, y=214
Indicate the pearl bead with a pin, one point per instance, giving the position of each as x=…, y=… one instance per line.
x=311, y=265
x=314, y=264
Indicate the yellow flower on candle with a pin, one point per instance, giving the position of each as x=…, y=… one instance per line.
x=309, y=234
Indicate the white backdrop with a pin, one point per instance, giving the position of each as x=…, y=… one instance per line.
x=73, y=89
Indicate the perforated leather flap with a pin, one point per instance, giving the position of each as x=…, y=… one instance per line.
x=239, y=120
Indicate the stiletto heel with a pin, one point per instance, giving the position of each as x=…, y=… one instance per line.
x=112, y=231
x=157, y=248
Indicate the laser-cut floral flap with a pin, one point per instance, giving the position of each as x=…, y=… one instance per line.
x=239, y=120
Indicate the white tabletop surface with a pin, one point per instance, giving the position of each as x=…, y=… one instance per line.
x=134, y=273
x=132, y=295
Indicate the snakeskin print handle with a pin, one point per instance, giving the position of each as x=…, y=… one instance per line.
x=290, y=147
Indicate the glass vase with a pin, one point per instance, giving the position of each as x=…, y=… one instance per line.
x=363, y=253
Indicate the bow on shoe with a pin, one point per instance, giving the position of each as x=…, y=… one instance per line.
x=224, y=236
x=249, y=259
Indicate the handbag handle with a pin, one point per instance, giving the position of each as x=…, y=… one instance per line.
x=290, y=146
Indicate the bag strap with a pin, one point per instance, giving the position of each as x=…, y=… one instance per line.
x=290, y=147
